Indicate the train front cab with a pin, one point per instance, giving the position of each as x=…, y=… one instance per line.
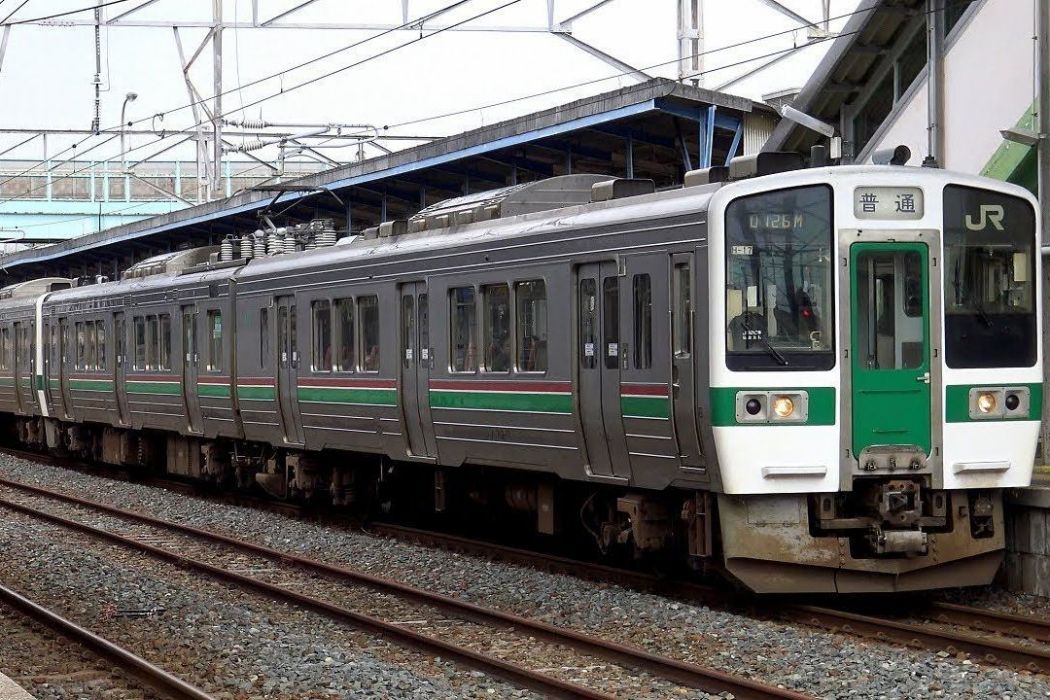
x=879, y=381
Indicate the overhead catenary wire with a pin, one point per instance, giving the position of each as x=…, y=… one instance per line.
x=57, y=15
x=792, y=49
x=419, y=20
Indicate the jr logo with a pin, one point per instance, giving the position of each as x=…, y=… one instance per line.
x=990, y=213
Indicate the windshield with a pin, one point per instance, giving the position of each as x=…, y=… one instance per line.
x=778, y=280
x=989, y=279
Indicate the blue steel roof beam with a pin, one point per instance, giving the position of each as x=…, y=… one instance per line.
x=722, y=119
x=640, y=136
x=577, y=150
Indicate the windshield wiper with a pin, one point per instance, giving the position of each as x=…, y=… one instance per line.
x=772, y=351
x=982, y=314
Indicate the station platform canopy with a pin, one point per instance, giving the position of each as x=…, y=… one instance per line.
x=658, y=129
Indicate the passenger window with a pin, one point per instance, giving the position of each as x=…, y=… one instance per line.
x=100, y=344
x=531, y=298
x=264, y=337
x=496, y=329
x=5, y=342
x=321, y=312
x=682, y=311
x=140, y=343
x=164, y=346
x=215, y=341
x=344, y=318
x=463, y=330
x=408, y=329
x=81, y=345
x=611, y=322
x=643, y=322
x=588, y=323
x=368, y=310
x=152, y=335
x=423, y=308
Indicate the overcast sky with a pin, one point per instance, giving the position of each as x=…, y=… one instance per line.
x=47, y=76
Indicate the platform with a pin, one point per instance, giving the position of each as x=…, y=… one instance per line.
x=1028, y=536
x=9, y=690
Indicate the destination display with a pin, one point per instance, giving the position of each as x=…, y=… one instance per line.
x=888, y=203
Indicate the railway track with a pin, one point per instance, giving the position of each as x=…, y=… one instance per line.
x=50, y=649
x=490, y=640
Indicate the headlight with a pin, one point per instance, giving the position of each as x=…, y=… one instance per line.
x=783, y=406
x=986, y=402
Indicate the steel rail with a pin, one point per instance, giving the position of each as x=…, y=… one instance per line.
x=921, y=636
x=154, y=676
x=684, y=673
x=1011, y=624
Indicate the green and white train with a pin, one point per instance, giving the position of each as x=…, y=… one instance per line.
x=809, y=379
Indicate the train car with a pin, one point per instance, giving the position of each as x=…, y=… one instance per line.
x=812, y=380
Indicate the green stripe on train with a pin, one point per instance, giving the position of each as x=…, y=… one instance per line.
x=645, y=406
x=355, y=395
x=91, y=384
x=821, y=405
x=257, y=393
x=214, y=391
x=168, y=388
x=957, y=402
x=501, y=401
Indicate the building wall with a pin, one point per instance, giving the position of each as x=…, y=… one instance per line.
x=989, y=84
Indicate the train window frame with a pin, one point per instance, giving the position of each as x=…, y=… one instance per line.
x=5, y=343
x=769, y=357
x=470, y=352
x=264, y=337
x=164, y=342
x=138, y=341
x=487, y=327
x=321, y=352
x=642, y=307
x=341, y=342
x=541, y=343
x=682, y=309
x=152, y=341
x=214, y=327
x=364, y=360
x=100, y=345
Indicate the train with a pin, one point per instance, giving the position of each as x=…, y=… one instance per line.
x=807, y=379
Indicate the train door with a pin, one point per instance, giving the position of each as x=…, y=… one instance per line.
x=21, y=364
x=288, y=370
x=65, y=359
x=52, y=362
x=120, y=366
x=684, y=404
x=190, y=368
x=890, y=342
x=416, y=355
x=598, y=351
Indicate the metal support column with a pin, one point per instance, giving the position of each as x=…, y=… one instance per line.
x=691, y=40
x=935, y=83
x=707, y=136
x=218, y=189
x=629, y=154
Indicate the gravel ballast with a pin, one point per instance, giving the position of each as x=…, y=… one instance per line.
x=804, y=659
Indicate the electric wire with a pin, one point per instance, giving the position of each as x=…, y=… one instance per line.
x=75, y=145
x=792, y=49
x=56, y=15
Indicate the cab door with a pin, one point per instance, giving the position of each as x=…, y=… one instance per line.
x=598, y=357
x=416, y=355
x=288, y=370
x=890, y=343
x=684, y=404
x=65, y=361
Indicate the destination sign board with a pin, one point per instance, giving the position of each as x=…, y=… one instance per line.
x=888, y=203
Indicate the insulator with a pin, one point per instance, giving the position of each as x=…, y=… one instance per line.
x=250, y=124
x=291, y=243
x=326, y=237
x=226, y=249
x=275, y=242
x=311, y=241
x=259, y=244
x=247, y=241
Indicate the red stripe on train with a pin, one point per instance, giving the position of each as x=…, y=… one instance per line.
x=505, y=385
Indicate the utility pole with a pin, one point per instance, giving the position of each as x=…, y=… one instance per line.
x=691, y=40
x=218, y=191
x=935, y=83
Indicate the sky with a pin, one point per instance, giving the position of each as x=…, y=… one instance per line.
x=46, y=79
